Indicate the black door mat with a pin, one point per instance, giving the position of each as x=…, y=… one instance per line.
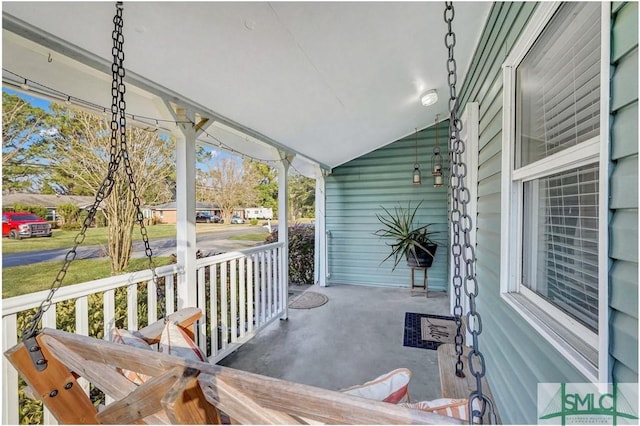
x=427, y=331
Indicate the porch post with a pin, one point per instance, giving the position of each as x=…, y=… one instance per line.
x=186, y=211
x=283, y=227
x=320, y=255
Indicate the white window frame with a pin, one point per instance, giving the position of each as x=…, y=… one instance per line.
x=583, y=348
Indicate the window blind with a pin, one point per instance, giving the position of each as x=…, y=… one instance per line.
x=558, y=84
x=560, y=250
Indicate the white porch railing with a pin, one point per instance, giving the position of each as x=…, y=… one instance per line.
x=239, y=293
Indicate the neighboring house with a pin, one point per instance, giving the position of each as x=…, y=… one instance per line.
x=258, y=213
x=49, y=201
x=166, y=213
x=556, y=198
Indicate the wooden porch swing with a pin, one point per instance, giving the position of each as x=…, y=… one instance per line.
x=184, y=391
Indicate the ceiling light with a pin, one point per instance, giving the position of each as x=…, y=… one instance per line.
x=429, y=97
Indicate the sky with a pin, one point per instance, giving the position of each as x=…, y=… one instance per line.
x=35, y=101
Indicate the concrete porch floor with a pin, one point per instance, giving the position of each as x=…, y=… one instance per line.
x=356, y=336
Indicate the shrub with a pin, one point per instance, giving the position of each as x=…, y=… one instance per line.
x=68, y=213
x=301, y=252
x=253, y=222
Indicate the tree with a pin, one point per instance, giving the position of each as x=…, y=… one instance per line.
x=24, y=128
x=267, y=187
x=302, y=195
x=230, y=184
x=80, y=155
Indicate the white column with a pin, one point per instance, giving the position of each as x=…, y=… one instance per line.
x=186, y=214
x=283, y=227
x=320, y=256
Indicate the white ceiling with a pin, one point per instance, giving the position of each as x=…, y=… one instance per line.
x=330, y=81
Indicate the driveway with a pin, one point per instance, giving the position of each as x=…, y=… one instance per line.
x=207, y=242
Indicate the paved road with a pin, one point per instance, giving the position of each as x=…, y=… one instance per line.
x=210, y=242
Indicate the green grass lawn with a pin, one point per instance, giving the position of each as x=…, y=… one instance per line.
x=64, y=239
x=250, y=237
x=18, y=280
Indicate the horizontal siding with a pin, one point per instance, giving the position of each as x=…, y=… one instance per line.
x=624, y=339
x=624, y=88
x=624, y=31
x=357, y=191
x=623, y=226
x=625, y=132
x=624, y=294
x=512, y=351
x=624, y=183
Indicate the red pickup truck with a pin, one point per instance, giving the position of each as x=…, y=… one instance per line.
x=18, y=225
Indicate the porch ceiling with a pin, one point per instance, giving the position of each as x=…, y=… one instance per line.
x=330, y=81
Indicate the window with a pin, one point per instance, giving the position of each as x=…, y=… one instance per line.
x=552, y=197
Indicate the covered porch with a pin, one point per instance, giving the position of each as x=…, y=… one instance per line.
x=353, y=338
x=246, y=324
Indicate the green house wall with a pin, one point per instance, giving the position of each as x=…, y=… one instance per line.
x=517, y=357
x=623, y=250
x=356, y=191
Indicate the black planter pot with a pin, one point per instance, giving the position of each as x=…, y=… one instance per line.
x=422, y=259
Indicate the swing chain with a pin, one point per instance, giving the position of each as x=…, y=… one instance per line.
x=454, y=145
x=463, y=251
x=118, y=152
x=119, y=135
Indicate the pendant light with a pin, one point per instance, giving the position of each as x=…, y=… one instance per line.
x=436, y=161
x=417, y=178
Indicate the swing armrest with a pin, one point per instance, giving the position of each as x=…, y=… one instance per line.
x=185, y=318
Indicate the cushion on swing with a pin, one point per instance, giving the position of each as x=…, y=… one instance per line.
x=175, y=341
x=457, y=408
x=391, y=387
x=129, y=338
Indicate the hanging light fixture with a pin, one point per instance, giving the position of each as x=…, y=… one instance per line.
x=417, y=177
x=436, y=161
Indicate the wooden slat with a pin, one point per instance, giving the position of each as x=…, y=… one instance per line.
x=453, y=386
x=185, y=402
x=142, y=402
x=291, y=398
x=237, y=405
x=184, y=317
x=105, y=378
x=72, y=405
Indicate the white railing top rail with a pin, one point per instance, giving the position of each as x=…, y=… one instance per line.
x=16, y=304
x=223, y=257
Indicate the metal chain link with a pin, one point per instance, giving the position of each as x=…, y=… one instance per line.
x=464, y=251
x=118, y=152
x=119, y=133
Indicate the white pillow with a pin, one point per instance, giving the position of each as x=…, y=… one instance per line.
x=126, y=337
x=392, y=387
x=175, y=341
x=458, y=408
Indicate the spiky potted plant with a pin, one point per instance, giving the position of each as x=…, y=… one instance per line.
x=412, y=242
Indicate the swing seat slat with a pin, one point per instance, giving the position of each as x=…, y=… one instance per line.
x=456, y=387
x=185, y=391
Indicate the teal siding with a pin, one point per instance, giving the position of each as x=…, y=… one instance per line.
x=355, y=192
x=517, y=357
x=623, y=227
